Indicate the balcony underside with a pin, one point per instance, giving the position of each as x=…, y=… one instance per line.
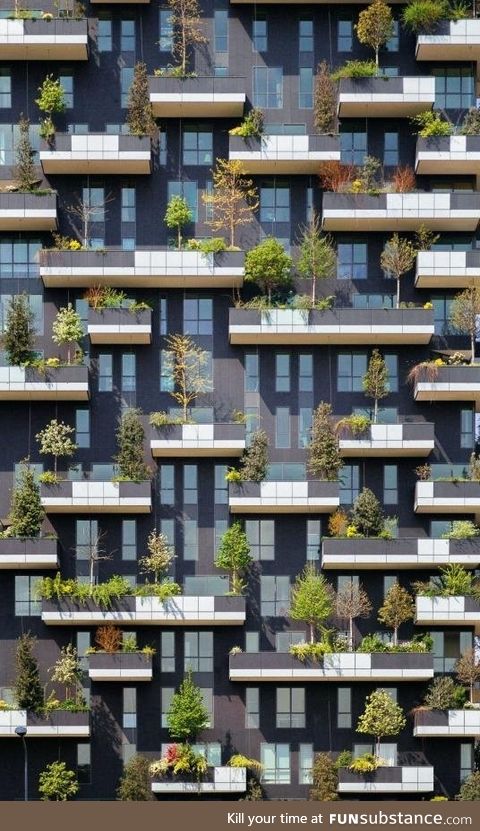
x=387, y=221
x=77, y=164
x=170, y=105
x=375, y=450
x=128, y=278
x=181, y=450
x=38, y=49
x=447, y=506
x=120, y=334
x=240, y=506
x=27, y=562
x=310, y=675
x=447, y=164
x=76, y=506
x=28, y=220
x=365, y=562
x=286, y=167
x=447, y=392
x=444, y=49
x=469, y=277
x=44, y=392
x=339, y=335
x=352, y=106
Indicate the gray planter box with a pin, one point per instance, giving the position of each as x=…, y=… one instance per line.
x=37, y=552
x=90, y=496
x=346, y=666
x=408, y=779
x=221, y=439
x=120, y=326
x=197, y=97
x=283, y=497
x=27, y=212
x=120, y=666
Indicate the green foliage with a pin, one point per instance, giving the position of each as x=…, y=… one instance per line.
x=398, y=607
x=453, y=581
x=210, y=245
x=19, y=337
x=464, y=315
x=424, y=15
x=67, y=328
x=397, y=258
x=187, y=715
x=324, y=779
x=471, y=123
x=444, y=694
x=470, y=788
x=26, y=514
x=254, y=462
x=462, y=529
x=135, y=785
x=159, y=558
x=310, y=651
x=311, y=599
x=163, y=591
x=54, y=440
x=324, y=100
x=317, y=258
x=375, y=381
x=355, y=69
x=367, y=514
x=238, y=760
x=25, y=165
x=103, y=594
x=251, y=126
x=177, y=215
x=51, y=100
x=187, y=365
x=67, y=671
x=353, y=425
x=324, y=460
x=418, y=644
x=57, y=782
x=366, y=763
x=375, y=26
x=432, y=123
x=180, y=760
x=382, y=717
x=27, y=687
x=163, y=419
x=425, y=238
x=233, y=198
x=234, y=556
x=140, y=118
x=268, y=266
x=474, y=468
x=344, y=759
x=130, y=438
x=467, y=670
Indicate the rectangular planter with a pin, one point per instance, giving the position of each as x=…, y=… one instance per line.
x=447, y=611
x=57, y=725
x=65, y=383
x=226, y=440
x=340, y=666
x=38, y=552
x=93, y=497
x=120, y=326
x=271, y=154
x=408, y=779
x=60, y=39
x=283, y=497
x=184, y=610
x=447, y=723
x=28, y=212
x=452, y=211
x=336, y=326
x=401, y=553
x=406, y=439
x=452, y=383
x=212, y=97
x=454, y=155
x=452, y=40
x=96, y=153
x=120, y=666
x=447, y=269
x=385, y=97
x=220, y=779
x=447, y=497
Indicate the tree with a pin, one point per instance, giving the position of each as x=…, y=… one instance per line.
x=57, y=782
x=254, y=463
x=424, y=15
x=444, y=694
x=177, y=215
x=135, y=782
x=130, y=438
x=50, y=100
x=140, y=118
x=325, y=100
x=233, y=199
x=352, y=601
x=26, y=514
x=67, y=671
x=188, y=365
x=19, y=336
x=317, y=257
x=312, y=599
x=67, y=328
x=324, y=461
x=465, y=315
x=187, y=714
x=25, y=167
x=470, y=788
x=375, y=380
x=85, y=212
x=54, y=440
x=27, y=687
x=159, y=558
x=397, y=258
x=398, y=607
x=467, y=670
x=375, y=26
x=324, y=779
x=367, y=515
x=234, y=556
x=382, y=717
x=186, y=25
x=268, y=266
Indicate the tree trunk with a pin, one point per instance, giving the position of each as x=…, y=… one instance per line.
x=184, y=49
x=314, y=289
x=377, y=747
x=234, y=579
x=376, y=59
x=471, y=692
x=312, y=632
x=179, y=237
x=232, y=232
x=375, y=411
x=398, y=292
x=350, y=634
x=472, y=346
x=395, y=635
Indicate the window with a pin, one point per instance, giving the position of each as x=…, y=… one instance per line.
x=220, y=21
x=344, y=707
x=66, y=80
x=128, y=372
x=261, y=538
x=252, y=707
x=104, y=32
x=260, y=35
x=207, y=695
x=282, y=427
x=352, y=261
x=275, y=760
x=305, y=35
x=167, y=485
x=466, y=760
x=442, y=307
x=314, y=536
x=190, y=539
x=390, y=149
x=190, y=478
x=212, y=751
x=274, y=203
x=83, y=763
x=126, y=78
x=127, y=36
x=392, y=45
x=467, y=429
x=252, y=640
x=391, y=361
x=198, y=653
x=167, y=694
x=189, y=192
x=166, y=367
x=351, y=367
x=349, y=484
x=94, y=202
x=388, y=581
x=18, y=256
x=305, y=87
x=25, y=603
x=163, y=316
x=82, y=428
x=268, y=87
x=304, y=426
x=305, y=764
x=166, y=30
x=167, y=644
x=129, y=707
x=129, y=539
x=275, y=596
x=198, y=316
x=251, y=372
x=447, y=648
x=221, y=485
x=353, y=145
x=197, y=146
x=5, y=88
x=128, y=204
x=86, y=538
x=390, y=484
x=305, y=373
x=282, y=372
x=344, y=36
x=290, y=707
x=454, y=88
x=284, y=640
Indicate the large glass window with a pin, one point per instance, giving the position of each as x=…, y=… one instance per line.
x=126, y=78
x=104, y=32
x=128, y=204
x=305, y=35
x=5, y=88
x=26, y=603
x=305, y=764
x=252, y=377
x=304, y=426
x=129, y=539
x=353, y=144
x=393, y=44
x=268, y=87
x=344, y=36
x=167, y=485
x=290, y=707
x=305, y=88
x=275, y=760
x=261, y=538
x=390, y=484
x=275, y=203
x=129, y=382
x=349, y=484
x=165, y=42
x=197, y=145
x=390, y=149
x=66, y=80
x=442, y=310
x=127, y=35
x=351, y=367
x=260, y=34
x=18, y=257
x=252, y=707
x=167, y=643
x=344, y=707
x=352, y=260
x=198, y=652
x=314, y=536
x=275, y=596
x=220, y=21
x=282, y=372
x=198, y=316
x=190, y=484
x=467, y=428
x=86, y=538
x=454, y=88
x=82, y=428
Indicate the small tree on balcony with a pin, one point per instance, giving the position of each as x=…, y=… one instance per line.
x=234, y=556
x=140, y=118
x=83, y=212
x=67, y=328
x=375, y=380
x=187, y=30
x=325, y=100
x=398, y=607
x=467, y=670
x=177, y=215
x=67, y=672
x=51, y=100
x=135, y=782
x=25, y=167
x=130, y=438
x=324, y=779
x=317, y=258
x=19, y=336
x=382, y=717
x=188, y=366
x=159, y=558
x=324, y=461
x=269, y=267
x=254, y=462
x=187, y=714
x=233, y=199
x=55, y=440
x=397, y=258
x=470, y=788
x=465, y=315
x=27, y=687
x=57, y=783
x=375, y=26
x=312, y=600
x=27, y=514
x=367, y=515
x=352, y=602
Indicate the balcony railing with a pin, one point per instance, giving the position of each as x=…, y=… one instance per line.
x=284, y=154
x=142, y=268
x=401, y=553
x=28, y=212
x=453, y=211
x=452, y=40
x=184, y=610
x=124, y=667
x=385, y=97
x=213, y=96
x=119, y=326
x=58, y=724
x=406, y=439
x=447, y=723
x=455, y=155
x=64, y=383
x=447, y=497
x=452, y=383
x=340, y=666
x=226, y=440
x=337, y=326
x=44, y=40
x=447, y=269
x=447, y=611
x=37, y=552
x=221, y=779
x=97, y=153
x=283, y=497
x=408, y=779
x=73, y=497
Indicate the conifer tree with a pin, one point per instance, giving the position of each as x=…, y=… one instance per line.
x=367, y=515
x=27, y=514
x=187, y=714
x=324, y=460
x=140, y=118
x=375, y=380
x=19, y=336
x=130, y=438
x=25, y=167
x=234, y=556
x=312, y=599
x=28, y=689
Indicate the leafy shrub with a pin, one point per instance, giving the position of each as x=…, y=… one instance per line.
x=56, y=588
x=164, y=419
x=431, y=123
x=163, y=591
x=240, y=761
x=355, y=69
x=471, y=123
x=354, y=425
x=251, y=126
x=444, y=694
x=324, y=778
x=337, y=523
x=180, y=760
x=462, y=529
x=424, y=15
x=212, y=245
x=344, y=759
x=366, y=763
x=309, y=651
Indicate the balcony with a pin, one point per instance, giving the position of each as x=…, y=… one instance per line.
x=340, y=666
x=284, y=154
x=449, y=155
x=385, y=97
x=38, y=552
x=452, y=383
x=59, y=724
x=404, y=552
x=28, y=212
x=283, y=497
x=64, y=383
x=90, y=497
x=209, y=97
x=118, y=326
x=447, y=497
x=447, y=269
x=178, y=611
x=447, y=723
x=217, y=780
x=406, y=439
x=333, y=326
x=149, y=268
x=453, y=211
x=198, y=440
x=447, y=611
x=44, y=40
x=452, y=41
x=408, y=779
x=120, y=666
x=97, y=153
